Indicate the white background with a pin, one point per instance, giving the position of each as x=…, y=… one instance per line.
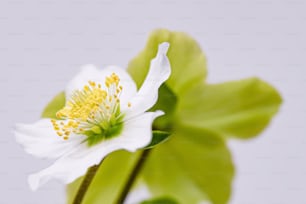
x=43, y=42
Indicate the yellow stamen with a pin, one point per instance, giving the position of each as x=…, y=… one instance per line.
x=90, y=106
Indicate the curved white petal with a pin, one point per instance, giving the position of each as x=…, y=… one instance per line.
x=91, y=73
x=158, y=73
x=40, y=139
x=136, y=134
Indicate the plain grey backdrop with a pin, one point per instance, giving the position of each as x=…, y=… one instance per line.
x=44, y=42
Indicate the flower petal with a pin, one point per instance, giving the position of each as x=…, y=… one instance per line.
x=137, y=133
x=40, y=139
x=148, y=93
x=92, y=73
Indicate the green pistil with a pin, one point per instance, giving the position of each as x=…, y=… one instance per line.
x=98, y=133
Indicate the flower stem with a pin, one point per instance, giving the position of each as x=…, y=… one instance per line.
x=133, y=176
x=86, y=183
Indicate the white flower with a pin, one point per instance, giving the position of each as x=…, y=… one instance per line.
x=103, y=113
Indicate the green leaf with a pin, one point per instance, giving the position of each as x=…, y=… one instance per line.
x=166, y=102
x=108, y=182
x=158, y=137
x=53, y=106
x=192, y=166
x=239, y=108
x=188, y=64
x=163, y=200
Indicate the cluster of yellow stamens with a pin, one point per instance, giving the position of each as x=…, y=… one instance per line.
x=90, y=107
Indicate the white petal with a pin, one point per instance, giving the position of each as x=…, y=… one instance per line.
x=148, y=93
x=40, y=139
x=91, y=73
x=136, y=134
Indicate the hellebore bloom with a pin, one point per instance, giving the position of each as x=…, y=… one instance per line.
x=103, y=113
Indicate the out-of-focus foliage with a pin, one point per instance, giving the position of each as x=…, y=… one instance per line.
x=108, y=183
x=157, y=138
x=188, y=63
x=159, y=201
x=240, y=109
x=56, y=104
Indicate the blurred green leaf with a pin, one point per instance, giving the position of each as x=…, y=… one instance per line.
x=239, y=108
x=188, y=63
x=162, y=200
x=166, y=102
x=109, y=181
x=53, y=106
x=192, y=166
x=158, y=137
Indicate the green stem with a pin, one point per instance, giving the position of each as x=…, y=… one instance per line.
x=86, y=183
x=133, y=176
